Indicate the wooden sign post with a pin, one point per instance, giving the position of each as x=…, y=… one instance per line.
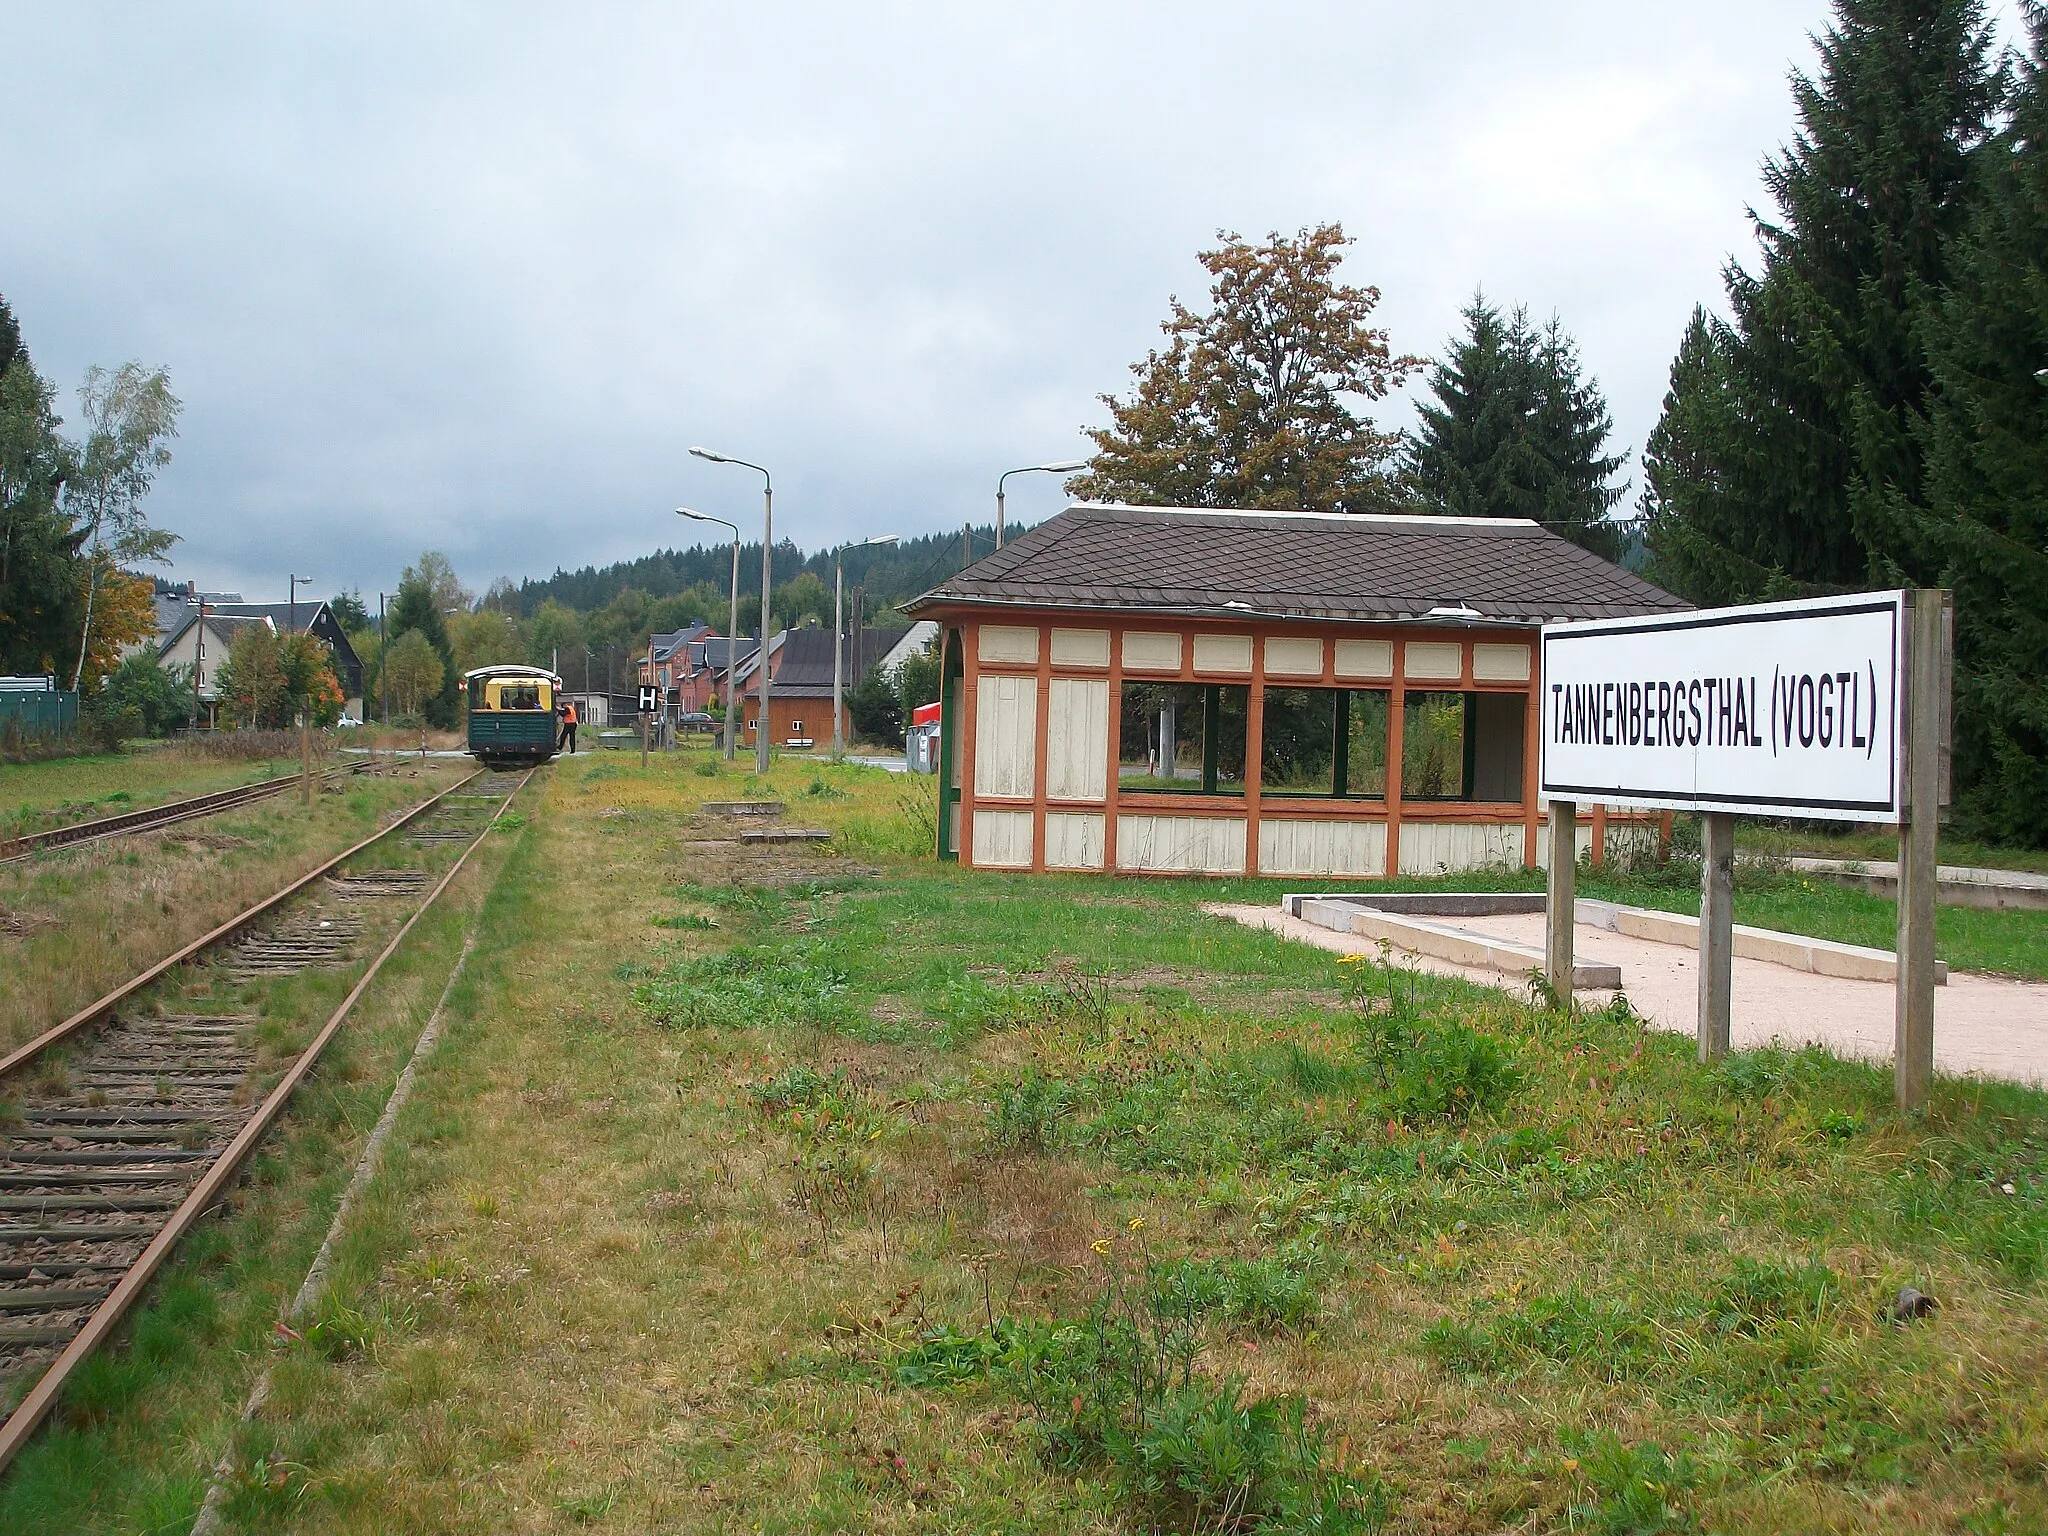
x=1829, y=709
x=1928, y=646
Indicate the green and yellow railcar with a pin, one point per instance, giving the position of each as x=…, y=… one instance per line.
x=512, y=721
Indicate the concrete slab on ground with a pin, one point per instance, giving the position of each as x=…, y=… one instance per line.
x=1982, y=1024
x=1955, y=885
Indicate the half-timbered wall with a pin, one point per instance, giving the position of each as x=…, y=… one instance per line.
x=1038, y=711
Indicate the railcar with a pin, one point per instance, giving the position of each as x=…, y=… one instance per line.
x=512, y=715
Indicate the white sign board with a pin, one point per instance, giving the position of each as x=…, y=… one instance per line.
x=1779, y=709
x=650, y=699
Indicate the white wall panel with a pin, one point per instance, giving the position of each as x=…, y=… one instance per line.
x=1080, y=647
x=1583, y=840
x=1293, y=656
x=1322, y=847
x=1073, y=840
x=1151, y=651
x=1002, y=839
x=1193, y=844
x=1012, y=643
x=1428, y=846
x=1077, y=738
x=1224, y=653
x=1365, y=658
x=1434, y=661
x=1005, y=735
x=1500, y=663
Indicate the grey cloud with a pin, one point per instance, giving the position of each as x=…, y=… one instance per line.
x=475, y=277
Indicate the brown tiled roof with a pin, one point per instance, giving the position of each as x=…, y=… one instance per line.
x=1299, y=565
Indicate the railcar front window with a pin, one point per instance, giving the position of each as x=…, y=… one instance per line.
x=519, y=696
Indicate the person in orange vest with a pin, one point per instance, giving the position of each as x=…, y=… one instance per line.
x=568, y=736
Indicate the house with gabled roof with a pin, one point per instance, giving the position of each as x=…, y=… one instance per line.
x=1239, y=692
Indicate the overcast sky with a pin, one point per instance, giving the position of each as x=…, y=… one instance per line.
x=475, y=277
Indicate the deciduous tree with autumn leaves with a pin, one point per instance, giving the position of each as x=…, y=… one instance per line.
x=1255, y=401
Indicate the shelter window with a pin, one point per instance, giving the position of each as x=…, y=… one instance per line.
x=1325, y=741
x=1183, y=738
x=1463, y=746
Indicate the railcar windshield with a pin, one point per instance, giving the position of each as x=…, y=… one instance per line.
x=512, y=693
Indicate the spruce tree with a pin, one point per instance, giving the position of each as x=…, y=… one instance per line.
x=1802, y=471
x=1516, y=430
x=1985, y=532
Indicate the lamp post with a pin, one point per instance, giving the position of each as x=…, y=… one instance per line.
x=732, y=629
x=292, y=623
x=1065, y=467
x=767, y=586
x=839, y=635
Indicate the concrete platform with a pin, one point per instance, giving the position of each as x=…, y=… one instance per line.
x=1982, y=1024
x=1955, y=885
x=1416, y=934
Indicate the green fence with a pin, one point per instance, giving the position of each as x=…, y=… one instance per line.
x=38, y=712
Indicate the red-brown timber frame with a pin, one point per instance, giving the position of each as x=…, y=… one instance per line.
x=1253, y=807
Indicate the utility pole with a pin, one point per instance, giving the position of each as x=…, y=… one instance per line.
x=383, y=665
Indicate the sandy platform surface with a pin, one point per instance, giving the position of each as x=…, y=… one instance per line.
x=1982, y=1024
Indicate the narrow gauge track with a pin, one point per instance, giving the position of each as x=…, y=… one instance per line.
x=115, y=1153
x=152, y=817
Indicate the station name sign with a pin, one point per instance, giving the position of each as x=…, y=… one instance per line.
x=1777, y=709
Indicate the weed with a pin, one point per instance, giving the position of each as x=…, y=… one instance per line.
x=1431, y=1069
x=1116, y=1391
x=818, y=789
x=1632, y=1486
x=696, y=922
x=1025, y=1115
x=1258, y=1293
x=708, y=769
x=747, y=988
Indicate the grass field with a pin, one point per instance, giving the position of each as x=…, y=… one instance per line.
x=76, y=921
x=35, y=797
x=1781, y=842
x=131, y=1446
x=765, y=1192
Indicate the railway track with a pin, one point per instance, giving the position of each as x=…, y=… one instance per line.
x=155, y=816
x=119, y=1140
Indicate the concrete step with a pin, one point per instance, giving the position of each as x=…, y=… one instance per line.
x=1445, y=941
x=1822, y=957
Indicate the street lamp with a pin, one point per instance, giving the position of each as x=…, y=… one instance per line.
x=767, y=556
x=839, y=634
x=732, y=629
x=1066, y=467
x=292, y=622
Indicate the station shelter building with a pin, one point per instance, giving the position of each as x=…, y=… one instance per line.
x=1259, y=693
